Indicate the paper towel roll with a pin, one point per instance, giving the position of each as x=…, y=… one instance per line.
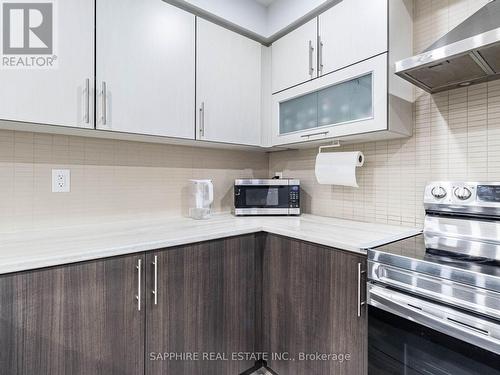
x=338, y=168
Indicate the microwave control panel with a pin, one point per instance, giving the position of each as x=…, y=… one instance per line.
x=294, y=198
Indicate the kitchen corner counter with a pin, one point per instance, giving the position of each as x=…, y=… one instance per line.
x=21, y=251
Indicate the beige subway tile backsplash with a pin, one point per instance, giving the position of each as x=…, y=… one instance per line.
x=109, y=178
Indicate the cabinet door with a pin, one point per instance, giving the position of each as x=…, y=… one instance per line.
x=61, y=95
x=351, y=31
x=347, y=102
x=79, y=320
x=228, y=85
x=146, y=65
x=294, y=57
x=310, y=304
x=205, y=303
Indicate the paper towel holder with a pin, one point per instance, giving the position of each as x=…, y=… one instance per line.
x=335, y=143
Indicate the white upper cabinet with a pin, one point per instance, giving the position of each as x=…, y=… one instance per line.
x=145, y=68
x=354, y=97
x=57, y=95
x=294, y=57
x=228, y=86
x=352, y=31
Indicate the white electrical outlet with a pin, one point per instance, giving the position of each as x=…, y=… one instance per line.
x=61, y=181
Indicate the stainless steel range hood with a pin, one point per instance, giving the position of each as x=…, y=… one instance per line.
x=468, y=54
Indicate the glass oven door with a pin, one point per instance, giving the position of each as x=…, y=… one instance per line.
x=397, y=346
x=409, y=335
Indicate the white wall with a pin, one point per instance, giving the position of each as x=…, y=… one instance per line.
x=248, y=14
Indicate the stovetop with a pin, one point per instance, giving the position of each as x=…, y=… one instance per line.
x=460, y=241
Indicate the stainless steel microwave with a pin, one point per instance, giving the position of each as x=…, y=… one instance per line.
x=267, y=197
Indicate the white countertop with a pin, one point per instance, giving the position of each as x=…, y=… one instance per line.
x=36, y=249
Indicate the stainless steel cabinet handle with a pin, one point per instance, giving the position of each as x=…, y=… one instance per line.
x=312, y=135
x=202, y=119
x=360, y=303
x=139, y=277
x=103, y=103
x=320, y=55
x=86, y=114
x=311, y=51
x=155, y=286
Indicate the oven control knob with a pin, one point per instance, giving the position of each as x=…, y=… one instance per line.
x=463, y=193
x=438, y=192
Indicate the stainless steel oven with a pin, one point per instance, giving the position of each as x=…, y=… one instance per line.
x=435, y=298
x=267, y=197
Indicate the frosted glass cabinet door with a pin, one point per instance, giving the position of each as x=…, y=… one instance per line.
x=351, y=101
x=299, y=114
x=347, y=101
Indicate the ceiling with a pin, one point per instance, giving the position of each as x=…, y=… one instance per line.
x=262, y=20
x=265, y=2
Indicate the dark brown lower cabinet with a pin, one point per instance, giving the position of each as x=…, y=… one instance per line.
x=205, y=306
x=310, y=309
x=79, y=319
x=198, y=306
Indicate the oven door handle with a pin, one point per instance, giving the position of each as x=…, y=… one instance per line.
x=433, y=288
x=470, y=328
